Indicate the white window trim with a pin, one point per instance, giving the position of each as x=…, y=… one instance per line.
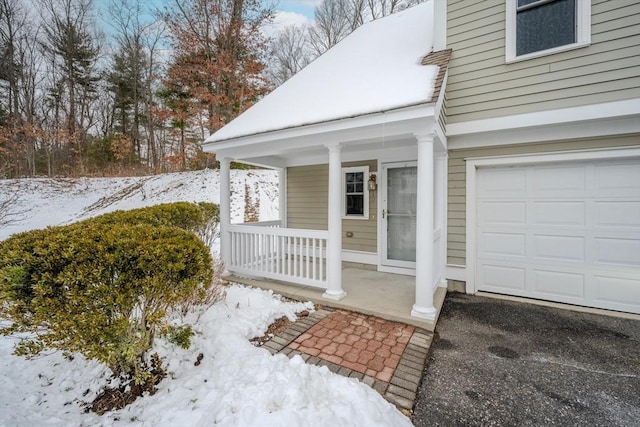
x=365, y=172
x=583, y=32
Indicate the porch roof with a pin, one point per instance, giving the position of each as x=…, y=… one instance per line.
x=377, y=69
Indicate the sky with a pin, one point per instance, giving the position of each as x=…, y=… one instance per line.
x=288, y=12
x=300, y=7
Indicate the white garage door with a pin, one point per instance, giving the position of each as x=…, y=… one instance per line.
x=565, y=232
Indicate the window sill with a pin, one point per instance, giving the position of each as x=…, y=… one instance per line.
x=359, y=218
x=547, y=52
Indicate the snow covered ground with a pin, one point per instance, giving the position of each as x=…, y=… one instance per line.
x=45, y=201
x=236, y=384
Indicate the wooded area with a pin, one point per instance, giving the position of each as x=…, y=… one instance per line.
x=140, y=93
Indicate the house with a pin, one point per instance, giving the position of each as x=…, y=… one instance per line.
x=487, y=145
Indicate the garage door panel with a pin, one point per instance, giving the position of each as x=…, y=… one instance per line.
x=501, y=278
x=567, y=248
x=559, y=213
x=568, y=233
x=624, y=293
x=504, y=244
x=503, y=182
x=558, y=179
x=497, y=213
x=549, y=284
x=614, y=176
x=624, y=252
x=617, y=213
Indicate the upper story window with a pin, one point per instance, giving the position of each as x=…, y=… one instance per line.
x=542, y=27
x=356, y=195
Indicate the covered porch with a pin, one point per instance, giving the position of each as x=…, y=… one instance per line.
x=406, y=241
x=362, y=157
x=386, y=295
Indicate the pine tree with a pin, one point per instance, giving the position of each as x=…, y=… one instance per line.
x=74, y=54
x=125, y=82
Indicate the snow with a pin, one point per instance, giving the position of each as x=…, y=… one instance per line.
x=236, y=384
x=48, y=202
x=376, y=68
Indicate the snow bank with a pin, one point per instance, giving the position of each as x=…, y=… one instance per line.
x=47, y=201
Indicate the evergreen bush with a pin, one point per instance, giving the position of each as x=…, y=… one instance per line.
x=100, y=287
x=200, y=218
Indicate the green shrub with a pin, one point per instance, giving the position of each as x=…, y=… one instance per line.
x=200, y=218
x=100, y=289
x=179, y=335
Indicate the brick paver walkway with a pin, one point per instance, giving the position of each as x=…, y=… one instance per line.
x=365, y=344
x=388, y=356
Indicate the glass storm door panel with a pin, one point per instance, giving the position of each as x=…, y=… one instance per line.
x=399, y=214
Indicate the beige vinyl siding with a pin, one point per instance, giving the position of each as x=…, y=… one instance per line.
x=307, y=196
x=456, y=204
x=481, y=85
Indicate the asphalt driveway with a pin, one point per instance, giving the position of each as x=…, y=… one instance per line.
x=496, y=362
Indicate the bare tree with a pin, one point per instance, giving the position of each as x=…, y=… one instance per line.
x=290, y=52
x=332, y=24
x=10, y=211
x=12, y=19
x=19, y=61
x=152, y=77
x=336, y=19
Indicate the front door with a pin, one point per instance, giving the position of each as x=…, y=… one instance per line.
x=399, y=188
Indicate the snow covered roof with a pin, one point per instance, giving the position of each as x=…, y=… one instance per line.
x=376, y=68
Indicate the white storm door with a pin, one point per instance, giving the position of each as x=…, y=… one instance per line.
x=399, y=188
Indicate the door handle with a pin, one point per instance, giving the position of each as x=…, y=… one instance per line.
x=382, y=213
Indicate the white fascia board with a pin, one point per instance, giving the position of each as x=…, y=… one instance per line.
x=408, y=119
x=565, y=131
x=608, y=110
x=613, y=118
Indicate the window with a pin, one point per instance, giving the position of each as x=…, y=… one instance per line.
x=542, y=27
x=356, y=194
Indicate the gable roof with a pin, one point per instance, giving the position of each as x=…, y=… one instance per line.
x=376, y=68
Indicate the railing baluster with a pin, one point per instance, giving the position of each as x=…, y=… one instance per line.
x=234, y=250
x=313, y=259
x=306, y=248
x=288, y=273
x=295, y=256
x=322, y=275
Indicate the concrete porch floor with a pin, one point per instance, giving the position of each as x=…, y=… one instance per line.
x=386, y=295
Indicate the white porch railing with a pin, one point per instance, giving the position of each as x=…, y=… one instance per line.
x=288, y=254
x=269, y=224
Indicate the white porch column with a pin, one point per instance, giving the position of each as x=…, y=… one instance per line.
x=282, y=196
x=334, y=242
x=440, y=218
x=423, y=306
x=225, y=211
